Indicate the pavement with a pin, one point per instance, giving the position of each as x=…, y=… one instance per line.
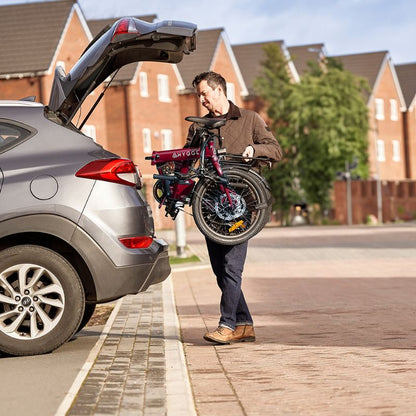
x=334, y=311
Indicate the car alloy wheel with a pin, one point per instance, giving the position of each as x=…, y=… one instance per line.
x=41, y=300
x=33, y=301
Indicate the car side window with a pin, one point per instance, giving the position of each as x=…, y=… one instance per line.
x=11, y=134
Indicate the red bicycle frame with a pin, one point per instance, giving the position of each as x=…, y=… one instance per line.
x=181, y=185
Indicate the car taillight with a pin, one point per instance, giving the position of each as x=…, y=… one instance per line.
x=125, y=26
x=121, y=171
x=137, y=242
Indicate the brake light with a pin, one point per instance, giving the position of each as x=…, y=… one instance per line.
x=137, y=242
x=122, y=171
x=124, y=27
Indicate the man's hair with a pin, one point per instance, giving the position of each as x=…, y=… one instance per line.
x=213, y=80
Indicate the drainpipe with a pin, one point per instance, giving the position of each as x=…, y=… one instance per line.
x=406, y=146
x=128, y=119
x=41, y=87
x=379, y=188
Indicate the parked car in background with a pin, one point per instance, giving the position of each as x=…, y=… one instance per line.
x=74, y=228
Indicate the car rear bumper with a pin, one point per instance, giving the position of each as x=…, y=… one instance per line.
x=144, y=267
x=103, y=278
x=122, y=281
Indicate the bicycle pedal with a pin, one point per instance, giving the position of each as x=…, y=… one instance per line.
x=236, y=225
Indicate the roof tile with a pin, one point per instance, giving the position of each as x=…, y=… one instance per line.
x=30, y=34
x=407, y=79
x=250, y=57
x=201, y=59
x=301, y=55
x=366, y=65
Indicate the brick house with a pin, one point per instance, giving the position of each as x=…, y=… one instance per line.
x=389, y=196
x=407, y=78
x=58, y=34
x=213, y=53
x=386, y=105
x=145, y=107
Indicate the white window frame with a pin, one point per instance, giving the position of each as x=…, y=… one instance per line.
x=381, y=154
x=394, y=111
x=396, y=150
x=166, y=137
x=163, y=88
x=144, y=88
x=379, y=103
x=90, y=131
x=147, y=140
x=231, y=91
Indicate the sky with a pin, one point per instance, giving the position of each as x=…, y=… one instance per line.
x=343, y=26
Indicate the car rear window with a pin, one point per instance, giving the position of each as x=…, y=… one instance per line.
x=12, y=133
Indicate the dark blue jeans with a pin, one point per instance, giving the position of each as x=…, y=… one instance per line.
x=227, y=264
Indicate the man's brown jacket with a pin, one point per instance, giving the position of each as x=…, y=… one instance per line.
x=244, y=128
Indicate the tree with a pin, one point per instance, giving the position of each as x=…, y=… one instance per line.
x=275, y=88
x=321, y=125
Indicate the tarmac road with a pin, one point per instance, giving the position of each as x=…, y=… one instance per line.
x=37, y=385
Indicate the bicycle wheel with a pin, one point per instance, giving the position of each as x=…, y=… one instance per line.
x=235, y=217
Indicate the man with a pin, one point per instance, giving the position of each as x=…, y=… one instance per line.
x=247, y=134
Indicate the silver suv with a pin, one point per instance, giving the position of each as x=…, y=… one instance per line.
x=74, y=228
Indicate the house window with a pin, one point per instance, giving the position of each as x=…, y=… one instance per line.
x=381, y=155
x=379, y=109
x=394, y=114
x=231, y=91
x=396, y=151
x=147, y=140
x=144, y=90
x=90, y=131
x=166, y=135
x=163, y=87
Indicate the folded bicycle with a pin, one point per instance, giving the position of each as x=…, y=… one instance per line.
x=230, y=201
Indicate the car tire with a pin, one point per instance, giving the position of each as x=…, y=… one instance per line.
x=42, y=300
x=88, y=313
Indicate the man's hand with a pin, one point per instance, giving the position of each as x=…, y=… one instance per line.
x=248, y=153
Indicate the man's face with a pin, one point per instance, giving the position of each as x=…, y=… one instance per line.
x=209, y=98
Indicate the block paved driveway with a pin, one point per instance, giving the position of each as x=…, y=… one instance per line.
x=335, y=319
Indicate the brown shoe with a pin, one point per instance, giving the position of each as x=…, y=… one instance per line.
x=244, y=333
x=221, y=335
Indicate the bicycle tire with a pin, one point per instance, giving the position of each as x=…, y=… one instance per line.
x=230, y=225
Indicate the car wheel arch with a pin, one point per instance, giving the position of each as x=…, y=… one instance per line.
x=61, y=247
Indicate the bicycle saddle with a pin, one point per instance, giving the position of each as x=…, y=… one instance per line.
x=209, y=123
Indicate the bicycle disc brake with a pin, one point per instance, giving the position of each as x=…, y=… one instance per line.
x=227, y=211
